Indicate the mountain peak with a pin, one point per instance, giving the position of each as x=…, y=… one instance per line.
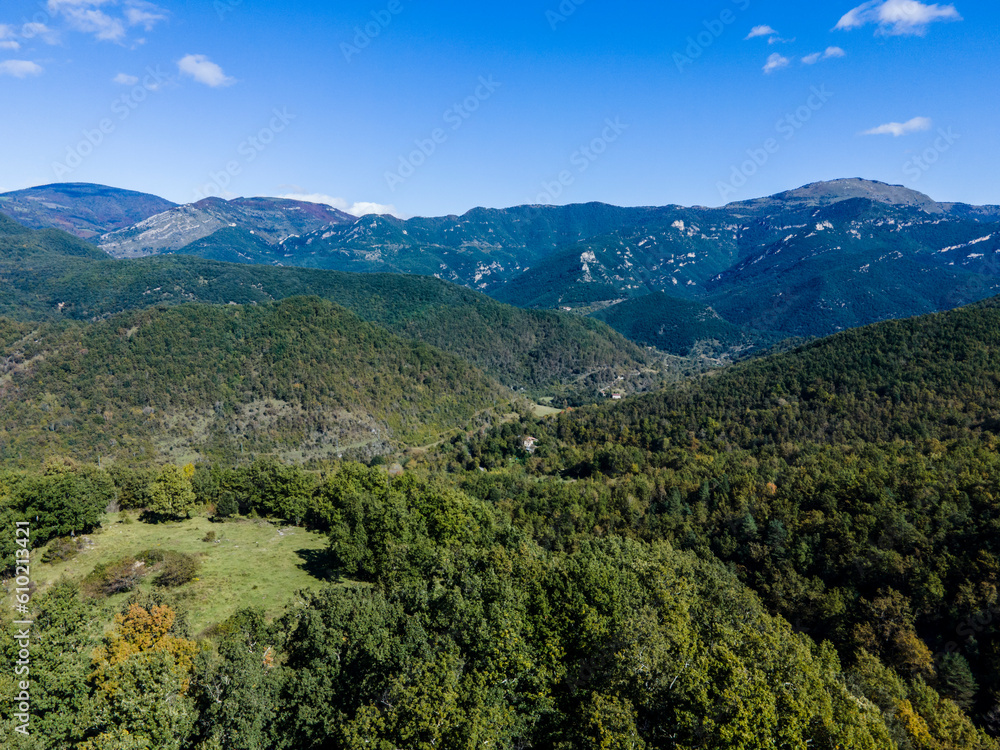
x=834, y=191
x=272, y=220
x=80, y=208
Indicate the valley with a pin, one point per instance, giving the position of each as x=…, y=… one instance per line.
x=565, y=502
x=521, y=376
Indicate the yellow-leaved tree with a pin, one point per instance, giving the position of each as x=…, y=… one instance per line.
x=141, y=678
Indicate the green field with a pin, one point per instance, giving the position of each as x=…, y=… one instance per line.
x=539, y=410
x=251, y=563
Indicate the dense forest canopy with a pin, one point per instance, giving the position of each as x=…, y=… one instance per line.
x=452, y=627
x=851, y=483
x=298, y=375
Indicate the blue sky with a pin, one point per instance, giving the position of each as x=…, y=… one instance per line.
x=432, y=108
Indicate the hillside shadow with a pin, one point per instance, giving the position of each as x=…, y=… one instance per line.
x=318, y=563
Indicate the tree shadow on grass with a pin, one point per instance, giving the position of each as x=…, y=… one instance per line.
x=318, y=563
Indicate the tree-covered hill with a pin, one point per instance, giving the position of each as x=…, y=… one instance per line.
x=807, y=262
x=934, y=376
x=40, y=248
x=300, y=377
x=679, y=326
x=853, y=263
x=450, y=628
x=853, y=483
x=50, y=275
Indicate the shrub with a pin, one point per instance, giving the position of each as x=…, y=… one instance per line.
x=151, y=557
x=125, y=574
x=62, y=549
x=116, y=577
x=209, y=537
x=227, y=506
x=177, y=569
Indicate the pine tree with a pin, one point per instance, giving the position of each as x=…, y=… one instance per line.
x=955, y=680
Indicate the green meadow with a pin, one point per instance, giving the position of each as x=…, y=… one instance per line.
x=251, y=563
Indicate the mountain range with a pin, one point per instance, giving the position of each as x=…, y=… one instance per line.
x=806, y=262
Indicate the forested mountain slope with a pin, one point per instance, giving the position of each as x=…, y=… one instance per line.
x=450, y=628
x=854, y=483
x=797, y=551
x=50, y=275
x=301, y=377
x=934, y=376
x=806, y=262
x=680, y=327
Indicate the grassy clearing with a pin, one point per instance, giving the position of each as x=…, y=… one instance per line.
x=544, y=411
x=251, y=563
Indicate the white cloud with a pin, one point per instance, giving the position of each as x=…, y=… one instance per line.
x=147, y=15
x=758, y=31
x=831, y=52
x=34, y=29
x=6, y=31
x=897, y=17
x=10, y=45
x=359, y=208
x=856, y=17
x=203, y=70
x=62, y=6
x=364, y=208
x=896, y=129
x=20, y=68
x=125, y=79
x=56, y=5
x=776, y=62
x=87, y=16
